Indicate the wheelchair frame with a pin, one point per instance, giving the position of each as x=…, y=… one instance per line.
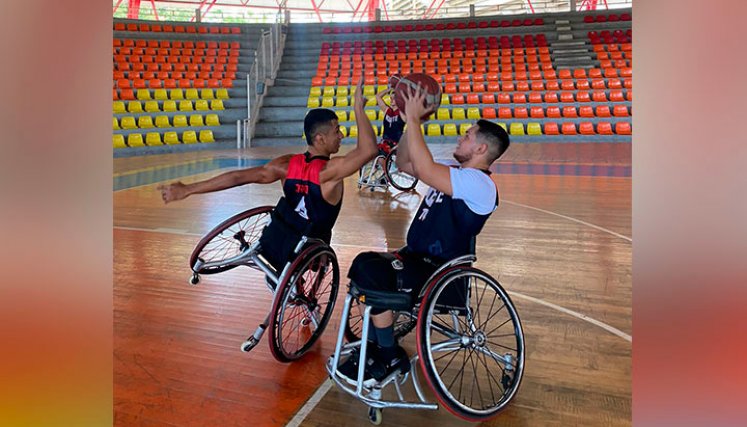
x=305, y=251
x=368, y=171
x=371, y=396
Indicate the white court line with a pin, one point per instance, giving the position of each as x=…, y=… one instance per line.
x=310, y=404
x=591, y=320
x=570, y=219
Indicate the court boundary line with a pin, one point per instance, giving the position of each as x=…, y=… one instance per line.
x=569, y=218
x=310, y=404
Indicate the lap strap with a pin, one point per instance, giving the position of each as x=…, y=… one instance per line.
x=390, y=300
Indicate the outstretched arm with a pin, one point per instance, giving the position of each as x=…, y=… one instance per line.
x=365, y=150
x=274, y=170
x=380, y=100
x=424, y=168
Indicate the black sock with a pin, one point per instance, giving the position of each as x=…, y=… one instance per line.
x=387, y=343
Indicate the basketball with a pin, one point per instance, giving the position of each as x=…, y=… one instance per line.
x=393, y=80
x=431, y=87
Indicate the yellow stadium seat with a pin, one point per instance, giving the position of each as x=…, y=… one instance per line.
x=450, y=129
x=458, y=114
x=381, y=88
x=464, y=127
x=381, y=115
x=516, y=129
x=216, y=104
x=473, y=113
x=118, y=141
x=342, y=116
x=170, y=138
x=534, y=129
x=191, y=94
x=221, y=93
x=312, y=103
x=503, y=125
x=161, y=95
x=206, y=136
x=202, y=105
x=128, y=122
x=196, y=120
x=369, y=91
x=180, y=121
x=206, y=93
x=342, y=91
x=152, y=106
x=444, y=99
x=135, y=140
x=169, y=106
x=329, y=91
x=434, y=129
x=387, y=99
x=185, y=105
x=153, y=138
x=118, y=107
x=442, y=114
x=176, y=94
x=315, y=91
x=371, y=114
x=212, y=120
x=162, y=122
x=143, y=94
x=189, y=137
x=342, y=101
x=354, y=130
x=328, y=102
x=115, y=124
x=134, y=107
x=370, y=102
x=351, y=117
x=145, y=122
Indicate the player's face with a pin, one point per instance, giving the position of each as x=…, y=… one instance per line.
x=466, y=145
x=333, y=137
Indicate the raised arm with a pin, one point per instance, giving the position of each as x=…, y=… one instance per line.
x=403, y=155
x=365, y=149
x=275, y=170
x=419, y=156
x=380, y=100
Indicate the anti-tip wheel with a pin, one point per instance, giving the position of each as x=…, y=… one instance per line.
x=195, y=279
x=375, y=416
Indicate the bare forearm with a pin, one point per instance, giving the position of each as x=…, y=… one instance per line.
x=366, y=135
x=218, y=183
x=418, y=153
x=403, y=152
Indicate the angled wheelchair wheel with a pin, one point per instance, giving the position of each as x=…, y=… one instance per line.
x=403, y=323
x=470, y=343
x=306, y=298
x=398, y=179
x=228, y=240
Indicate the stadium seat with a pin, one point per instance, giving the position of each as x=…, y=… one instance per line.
x=169, y=106
x=521, y=113
x=442, y=114
x=551, y=128
x=221, y=93
x=450, y=129
x=516, y=128
x=143, y=94
x=534, y=129
x=134, y=107
x=115, y=124
x=620, y=111
x=135, y=140
x=312, y=103
x=585, y=111
x=473, y=113
x=206, y=94
x=603, y=111
x=152, y=106
x=569, y=111
x=489, y=113
x=185, y=105
x=191, y=94
x=162, y=122
x=553, y=112
x=537, y=113
x=623, y=128
x=206, y=135
x=328, y=91
x=568, y=128
x=458, y=114
x=504, y=113
x=342, y=101
x=433, y=129
x=604, y=128
x=170, y=138
x=216, y=104
x=196, y=120
x=118, y=107
x=118, y=141
x=145, y=122
x=353, y=131
x=189, y=137
x=586, y=128
x=180, y=121
x=176, y=94
x=464, y=127
x=153, y=138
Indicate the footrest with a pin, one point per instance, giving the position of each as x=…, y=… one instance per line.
x=392, y=300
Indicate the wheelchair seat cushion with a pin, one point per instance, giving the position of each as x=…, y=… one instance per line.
x=375, y=271
x=379, y=299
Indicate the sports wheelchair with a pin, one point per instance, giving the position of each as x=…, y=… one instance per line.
x=371, y=176
x=304, y=291
x=470, y=343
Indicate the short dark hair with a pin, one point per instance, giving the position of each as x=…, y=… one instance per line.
x=494, y=136
x=315, y=120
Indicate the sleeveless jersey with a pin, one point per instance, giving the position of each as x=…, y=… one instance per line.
x=394, y=126
x=303, y=207
x=445, y=228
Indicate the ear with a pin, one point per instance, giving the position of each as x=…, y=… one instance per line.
x=481, y=148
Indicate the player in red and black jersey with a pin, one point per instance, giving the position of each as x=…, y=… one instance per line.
x=312, y=181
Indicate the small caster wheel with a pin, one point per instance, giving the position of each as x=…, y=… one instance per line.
x=249, y=344
x=375, y=416
x=195, y=279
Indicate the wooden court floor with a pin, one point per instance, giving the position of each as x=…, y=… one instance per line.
x=560, y=243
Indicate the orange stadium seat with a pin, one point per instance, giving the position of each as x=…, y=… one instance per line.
x=585, y=111
x=623, y=128
x=569, y=111
x=604, y=128
x=551, y=97
x=620, y=111
x=586, y=128
x=489, y=113
x=603, y=111
x=551, y=128
x=568, y=128
x=537, y=112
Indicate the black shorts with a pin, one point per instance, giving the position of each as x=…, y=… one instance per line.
x=373, y=270
x=277, y=243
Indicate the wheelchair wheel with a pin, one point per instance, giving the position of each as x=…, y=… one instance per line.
x=398, y=179
x=305, y=302
x=470, y=343
x=403, y=323
x=229, y=239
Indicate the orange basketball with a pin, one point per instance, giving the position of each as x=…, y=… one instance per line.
x=431, y=87
x=393, y=80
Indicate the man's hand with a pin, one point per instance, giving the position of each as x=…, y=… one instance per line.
x=174, y=191
x=415, y=106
